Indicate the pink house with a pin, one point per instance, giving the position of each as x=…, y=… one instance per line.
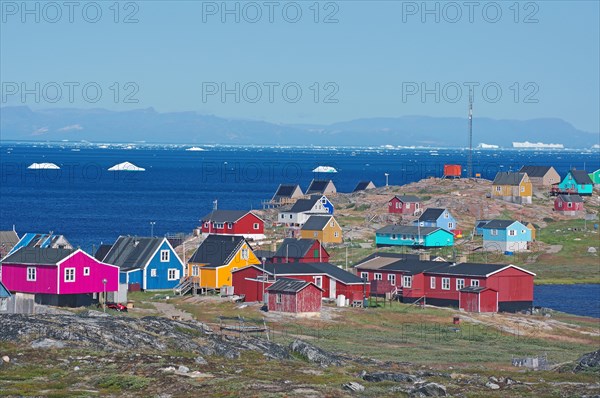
x=58, y=276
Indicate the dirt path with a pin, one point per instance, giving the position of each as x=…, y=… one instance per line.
x=169, y=311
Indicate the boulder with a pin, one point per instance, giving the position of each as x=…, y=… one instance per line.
x=183, y=369
x=200, y=361
x=588, y=362
x=314, y=354
x=429, y=390
x=47, y=343
x=390, y=376
x=354, y=387
x=492, y=386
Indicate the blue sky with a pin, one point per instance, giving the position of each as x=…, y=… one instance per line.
x=367, y=62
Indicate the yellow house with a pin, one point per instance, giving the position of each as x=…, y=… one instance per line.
x=211, y=265
x=532, y=227
x=512, y=187
x=323, y=227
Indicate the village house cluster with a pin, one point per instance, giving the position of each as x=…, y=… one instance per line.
x=296, y=276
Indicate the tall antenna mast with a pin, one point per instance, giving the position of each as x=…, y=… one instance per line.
x=470, y=154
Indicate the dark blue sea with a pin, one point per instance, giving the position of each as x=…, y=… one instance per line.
x=90, y=205
x=583, y=299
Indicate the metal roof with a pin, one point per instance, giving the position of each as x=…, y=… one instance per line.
x=571, y=198
x=431, y=214
x=471, y=269
x=499, y=224
x=408, y=198
x=508, y=178
x=535, y=171
x=329, y=269
x=294, y=248
x=288, y=285
x=318, y=186
x=475, y=289
x=362, y=185
x=411, y=267
x=37, y=255
x=132, y=252
x=581, y=177
x=102, y=252
x=316, y=223
x=407, y=230
x=286, y=191
x=223, y=216
x=217, y=250
x=303, y=205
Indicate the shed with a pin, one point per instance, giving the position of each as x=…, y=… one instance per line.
x=478, y=299
x=452, y=170
x=294, y=296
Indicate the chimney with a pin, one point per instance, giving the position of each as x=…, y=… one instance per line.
x=424, y=257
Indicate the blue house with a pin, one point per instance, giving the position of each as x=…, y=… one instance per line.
x=506, y=236
x=150, y=262
x=408, y=235
x=577, y=181
x=437, y=218
x=479, y=227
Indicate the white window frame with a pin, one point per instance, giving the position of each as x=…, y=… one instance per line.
x=394, y=237
x=498, y=188
x=195, y=270
x=407, y=281
x=153, y=272
x=460, y=284
x=319, y=281
x=522, y=189
x=378, y=277
x=165, y=256
x=446, y=215
x=336, y=234
x=569, y=204
x=256, y=226
x=494, y=232
x=445, y=283
x=364, y=275
x=278, y=299
x=432, y=282
x=392, y=279
x=512, y=232
x=450, y=225
x=31, y=276
x=207, y=224
x=475, y=282
x=69, y=275
x=407, y=205
x=245, y=254
x=229, y=225
x=86, y=271
x=172, y=274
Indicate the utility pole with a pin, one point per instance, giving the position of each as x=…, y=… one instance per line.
x=152, y=228
x=470, y=154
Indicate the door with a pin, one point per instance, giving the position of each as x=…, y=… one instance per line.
x=332, y=286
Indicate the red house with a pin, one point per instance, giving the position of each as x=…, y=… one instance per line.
x=233, y=222
x=568, y=204
x=301, y=251
x=61, y=277
x=405, y=204
x=294, y=296
x=252, y=281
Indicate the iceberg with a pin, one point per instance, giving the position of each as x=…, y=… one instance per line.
x=126, y=166
x=487, y=146
x=325, y=169
x=43, y=166
x=195, y=149
x=536, y=145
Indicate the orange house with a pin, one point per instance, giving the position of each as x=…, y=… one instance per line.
x=211, y=265
x=323, y=228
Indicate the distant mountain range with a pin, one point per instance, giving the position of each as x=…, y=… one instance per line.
x=100, y=125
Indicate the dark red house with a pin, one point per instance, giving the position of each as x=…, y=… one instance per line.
x=294, y=296
x=252, y=281
x=233, y=222
x=405, y=204
x=568, y=204
x=443, y=284
x=294, y=250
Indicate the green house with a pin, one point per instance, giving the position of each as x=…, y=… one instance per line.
x=595, y=177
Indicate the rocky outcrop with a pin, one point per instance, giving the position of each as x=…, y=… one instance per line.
x=588, y=362
x=390, y=376
x=314, y=354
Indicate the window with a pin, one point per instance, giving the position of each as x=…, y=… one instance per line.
x=569, y=204
x=86, y=271
x=393, y=236
x=559, y=204
x=69, y=274
x=315, y=234
x=417, y=206
x=31, y=274
x=290, y=216
x=319, y=281
x=404, y=237
x=522, y=231
x=255, y=225
x=407, y=281
x=153, y=272
x=445, y=283
x=494, y=232
x=165, y=255
x=390, y=204
x=336, y=234
x=378, y=277
x=498, y=188
x=172, y=274
x=460, y=283
x=278, y=298
x=323, y=200
x=474, y=282
x=245, y=254
x=398, y=205
x=195, y=270
x=316, y=253
x=364, y=275
x=282, y=216
x=229, y=225
x=432, y=282
x=446, y=215
x=450, y=225
x=522, y=189
x=332, y=223
x=512, y=232
x=392, y=279
x=407, y=205
x=206, y=224
x=218, y=225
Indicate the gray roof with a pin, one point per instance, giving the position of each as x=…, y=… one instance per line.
x=571, y=198
x=498, y=224
x=535, y=171
x=406, y=230
x=9, y=238
x=389, y=255
x=362, y=185
x=481, y=223
x=508, y=178
x=288, y=285
x=267, y=254
x=581, y=177
x=286, y=191
x=132, y=252
x=303, y=205
x=217, y=250
x=223, y=216
x=102, y=252
x=311, y=268
x=36, y=255
x=475, y=289
x=316, y=223
x=318, y=186
x=466, y=269
x=294, y=248
x=408, y=198
x=411, y=267
x=431, y=214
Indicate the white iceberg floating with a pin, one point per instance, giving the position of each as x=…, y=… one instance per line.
x=325, y=169
x=126, y=166
x=195, y=149
x=44, y=166
x=487, y=146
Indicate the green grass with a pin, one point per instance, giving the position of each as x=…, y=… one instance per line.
x=123, y=382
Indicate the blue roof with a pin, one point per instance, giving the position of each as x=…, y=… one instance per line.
x=4, y=293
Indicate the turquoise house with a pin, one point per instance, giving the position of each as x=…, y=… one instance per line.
x=506, y=236
x=415, y=236
x=577, y=181
x=150, y=262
